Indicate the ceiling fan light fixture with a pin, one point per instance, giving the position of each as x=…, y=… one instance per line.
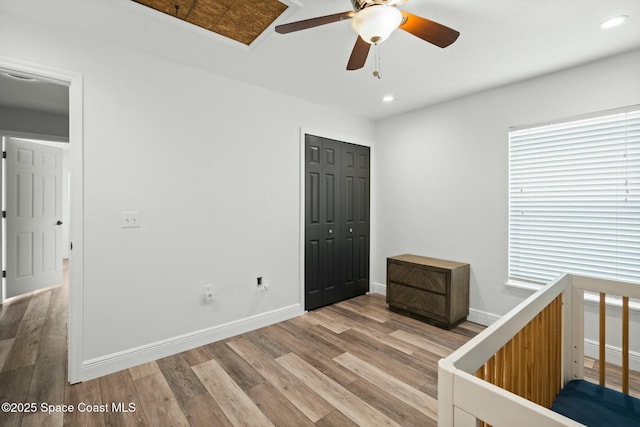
x=375, y=24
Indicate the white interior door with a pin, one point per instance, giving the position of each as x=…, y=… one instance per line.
x=33, y=183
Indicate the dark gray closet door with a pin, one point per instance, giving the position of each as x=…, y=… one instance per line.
x=336, y=221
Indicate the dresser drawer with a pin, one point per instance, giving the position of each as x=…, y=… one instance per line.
x=414, y=300
x=430, y=280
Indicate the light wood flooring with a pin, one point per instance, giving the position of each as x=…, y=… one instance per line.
x=353, y=363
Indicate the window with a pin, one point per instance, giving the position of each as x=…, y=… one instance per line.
x=574, y=198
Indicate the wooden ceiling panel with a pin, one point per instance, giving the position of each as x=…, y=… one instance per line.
x=169, y=6
x=240, y=20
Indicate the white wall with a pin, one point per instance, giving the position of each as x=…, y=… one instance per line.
x=212, y=166
x=34, y=122
x=442, y=187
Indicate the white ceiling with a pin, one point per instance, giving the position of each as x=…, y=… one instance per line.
x=501, y=41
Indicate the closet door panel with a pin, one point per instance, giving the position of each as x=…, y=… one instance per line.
x=336, y=221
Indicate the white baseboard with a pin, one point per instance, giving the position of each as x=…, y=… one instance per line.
x=105, y=365
x=481, y=317
x=378, y=288
x=613, y=354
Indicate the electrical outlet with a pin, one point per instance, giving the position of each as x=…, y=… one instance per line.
x=130, y=219
x=208, y=294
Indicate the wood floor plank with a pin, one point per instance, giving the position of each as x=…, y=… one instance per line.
x=118, y=388
x=390, y=405
x=196, y=356
x=87, y=394
x=387, y=339
x=11, y=315
x=50, y=372
x=160, y=405
x=407, y=368
x=352, y=318
x=280, y=410
x=204, y=411
x=235, y=366
x=5, y=348
x=235, y=404
x=25, y=347
x=346, y=402
x=451, y=338
x=14, y=388
x=370, y=311
x=304, y=398
x=422, y=342
x=469, y=329
x=143, y=370
x=327, y=319
x=181, y=379
x=313, y=348
x=263, y=338
x=39, y=419
x=414, y=398
x=335, y=419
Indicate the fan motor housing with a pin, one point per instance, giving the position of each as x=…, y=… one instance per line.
x=358, y=5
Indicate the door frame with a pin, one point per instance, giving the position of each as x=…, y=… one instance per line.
x=76, y=227
x=301, y=220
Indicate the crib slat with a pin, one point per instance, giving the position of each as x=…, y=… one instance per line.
x=528, y=394
x=547, y=340
x=552, y=357
x=625, y=345
x=602, y=344
x=519, y=389
x=491, y=371
x=558, y=335
x=508, y=366
x=499, y=368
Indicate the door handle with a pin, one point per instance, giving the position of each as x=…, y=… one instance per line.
x=350, y=230
x=58, y=222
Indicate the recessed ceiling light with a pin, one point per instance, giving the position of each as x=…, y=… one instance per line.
x=388, y=98
x=613, y=22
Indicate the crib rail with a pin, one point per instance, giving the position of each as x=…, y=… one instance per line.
x=530, y=364
x=605, y=288
x=511, y=372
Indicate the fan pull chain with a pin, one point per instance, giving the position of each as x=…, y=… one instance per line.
x=376, y=71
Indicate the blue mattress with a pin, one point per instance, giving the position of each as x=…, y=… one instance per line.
x=597, y=406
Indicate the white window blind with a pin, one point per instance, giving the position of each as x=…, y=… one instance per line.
x=574, y=198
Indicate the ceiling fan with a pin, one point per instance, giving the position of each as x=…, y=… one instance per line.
x=374, y=21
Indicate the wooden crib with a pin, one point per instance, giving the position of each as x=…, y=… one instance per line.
x=511, y=373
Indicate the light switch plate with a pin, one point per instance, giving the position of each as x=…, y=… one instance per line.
x=130, y=219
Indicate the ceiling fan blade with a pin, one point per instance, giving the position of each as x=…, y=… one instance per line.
x=358, y=55
x=430, y=31
x=313, y=22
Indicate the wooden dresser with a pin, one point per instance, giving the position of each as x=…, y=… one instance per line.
x=432, y=290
